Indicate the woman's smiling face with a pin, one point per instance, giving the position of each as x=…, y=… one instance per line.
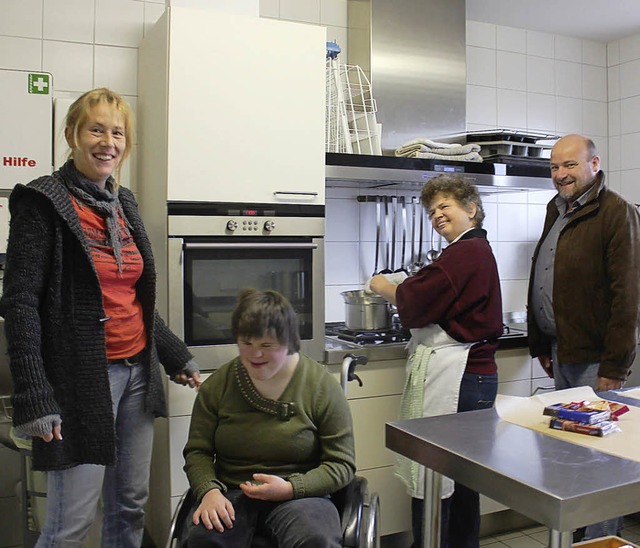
x=263, y=357
x=449, y=218
x=99, y=144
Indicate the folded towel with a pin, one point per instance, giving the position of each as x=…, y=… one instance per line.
x=470, y=157
x=414, y=146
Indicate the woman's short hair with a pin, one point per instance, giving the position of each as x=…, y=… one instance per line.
x=260, y=313
x=456, y=187
x=78, y=114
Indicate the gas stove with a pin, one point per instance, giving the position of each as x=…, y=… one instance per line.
x=392, y=335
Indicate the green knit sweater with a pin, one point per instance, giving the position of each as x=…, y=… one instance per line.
x=234, y=433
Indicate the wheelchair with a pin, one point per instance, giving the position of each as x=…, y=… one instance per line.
x=359, y=515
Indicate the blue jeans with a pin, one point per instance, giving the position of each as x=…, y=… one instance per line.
x=300, y=523
x=73, y=494
x=460, y=513
x=572, y=376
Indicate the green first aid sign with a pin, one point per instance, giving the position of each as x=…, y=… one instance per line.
x=39, y=83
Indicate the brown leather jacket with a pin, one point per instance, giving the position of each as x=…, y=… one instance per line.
x=596, y=288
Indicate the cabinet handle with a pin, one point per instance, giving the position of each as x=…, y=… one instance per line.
x=295, y=193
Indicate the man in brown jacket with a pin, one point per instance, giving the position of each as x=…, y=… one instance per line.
x=584, y=290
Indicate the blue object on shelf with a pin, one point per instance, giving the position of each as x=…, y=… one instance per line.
x=333, y=49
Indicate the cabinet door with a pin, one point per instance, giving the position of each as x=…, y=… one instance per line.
x=246, y=109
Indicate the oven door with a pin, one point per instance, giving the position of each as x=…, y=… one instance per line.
x=206, y=274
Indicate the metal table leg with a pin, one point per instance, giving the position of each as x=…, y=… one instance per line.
x=560, y=539
x=432, y=508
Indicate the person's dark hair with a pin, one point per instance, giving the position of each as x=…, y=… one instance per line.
x=457, y=188
x=265, y=313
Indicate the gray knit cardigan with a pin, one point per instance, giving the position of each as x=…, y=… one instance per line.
x=52, y=306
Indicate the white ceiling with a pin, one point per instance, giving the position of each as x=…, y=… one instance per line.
x=601, y=20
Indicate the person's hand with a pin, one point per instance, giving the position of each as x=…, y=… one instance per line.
x=268, y=487
x=54, y=434
x=48, y=428
x=605, y=383
x=215, y=511
x=547, y=365
x=192, y=380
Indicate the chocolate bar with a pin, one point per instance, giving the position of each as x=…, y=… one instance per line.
x=601, y=429
x=577, y=412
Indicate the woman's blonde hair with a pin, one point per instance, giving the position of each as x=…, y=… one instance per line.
x=79, y=113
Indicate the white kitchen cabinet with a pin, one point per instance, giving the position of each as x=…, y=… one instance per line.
x=27, y=126
x=232, y=108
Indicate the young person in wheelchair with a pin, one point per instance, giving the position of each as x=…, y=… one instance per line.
x=270, y=438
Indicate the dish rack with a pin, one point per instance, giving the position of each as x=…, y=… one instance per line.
x=351, y=125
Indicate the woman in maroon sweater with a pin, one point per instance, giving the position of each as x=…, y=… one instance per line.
x=453, y=308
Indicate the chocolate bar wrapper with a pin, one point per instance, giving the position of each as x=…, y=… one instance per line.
x=602, y=429
x=582, y=414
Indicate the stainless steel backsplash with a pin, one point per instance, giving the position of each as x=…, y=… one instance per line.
x=414, y=52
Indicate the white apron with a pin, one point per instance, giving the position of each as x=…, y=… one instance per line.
x=434, y=372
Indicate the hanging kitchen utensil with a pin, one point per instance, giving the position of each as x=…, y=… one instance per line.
x=386, y=269
x=378, y=200
x=394, y=209
x=419, y=263
x=412, y=259
x=433, y=253
x=403, y=212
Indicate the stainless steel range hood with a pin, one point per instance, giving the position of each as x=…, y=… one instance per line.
x=414, y=53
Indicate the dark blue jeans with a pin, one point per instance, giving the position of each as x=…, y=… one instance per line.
x=308, y=522
x=460, y=513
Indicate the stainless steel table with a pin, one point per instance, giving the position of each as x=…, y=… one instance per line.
x=554, y=482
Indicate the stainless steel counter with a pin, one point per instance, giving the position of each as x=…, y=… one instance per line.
x=554, y=482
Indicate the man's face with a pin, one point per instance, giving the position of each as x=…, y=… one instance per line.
x=572, y=168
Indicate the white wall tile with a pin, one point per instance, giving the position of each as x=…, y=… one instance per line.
x=21, y=19
x=540, y=44
x=613, y=83
x=481, y=105
x=490, y=223
x=116, y=68
x=514, y=295
x=511, y=39
x=481, y=34
x=270, y=8
x=343, y=267
x=342, y=221
x=481, y=66
x=541, y=75
x=119, y=22
x=541, y=197
x=306, y=11
x=334, y=13
x=535, y=221
x=629, y=187
x=614, y=156
x=568, y=115
x=629, y=146
x=541, y=112
x=514, y=261
x=568, y=48
x=629, y=48
x=512, y=109
x=512, y=70
x=568, y=79
x=614, y=117
x=594, y=118
x=594, y=53
x=70, y=63
x=614, y=180
x=630, y=78
x=512, y=226
x=69, y=20
x=20, y=53
x=594, y=83
x=152, y=12
x=630, y=115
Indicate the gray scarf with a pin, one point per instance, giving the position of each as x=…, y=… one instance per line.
x=104, y=202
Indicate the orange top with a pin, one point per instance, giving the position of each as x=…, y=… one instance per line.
x=124, y=331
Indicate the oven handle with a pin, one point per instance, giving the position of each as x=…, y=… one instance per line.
x=245, y=245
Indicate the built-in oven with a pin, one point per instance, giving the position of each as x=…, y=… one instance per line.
x=216, y=249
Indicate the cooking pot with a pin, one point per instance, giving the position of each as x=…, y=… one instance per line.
x=366, y=312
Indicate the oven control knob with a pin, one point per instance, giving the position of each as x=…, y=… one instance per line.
x=232, y=225
x=269, y=225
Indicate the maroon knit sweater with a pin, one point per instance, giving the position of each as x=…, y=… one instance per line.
x=460, y=292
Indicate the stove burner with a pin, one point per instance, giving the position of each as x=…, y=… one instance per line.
x=340, y=331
